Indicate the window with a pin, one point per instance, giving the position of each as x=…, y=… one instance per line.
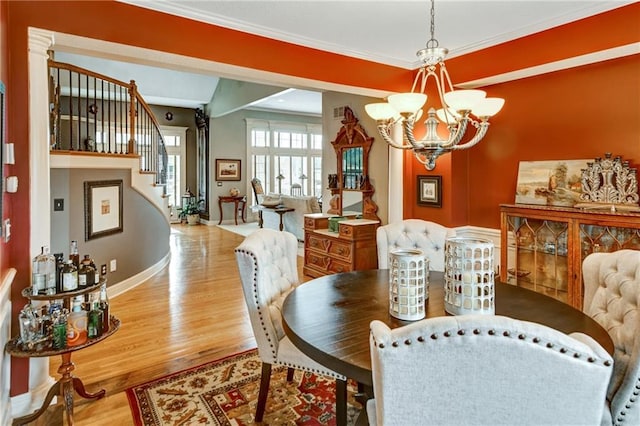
x=292, y=151
x=175, y=141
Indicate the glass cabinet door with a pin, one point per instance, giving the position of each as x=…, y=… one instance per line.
x=606, y=239
x=537, y=256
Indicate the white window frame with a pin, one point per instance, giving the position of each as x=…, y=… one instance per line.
x=271, y=126
x=180, y=132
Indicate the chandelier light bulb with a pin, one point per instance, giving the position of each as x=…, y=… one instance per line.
x=381, y=111
x=407, y=103
x=464, y=100
x=488, y=107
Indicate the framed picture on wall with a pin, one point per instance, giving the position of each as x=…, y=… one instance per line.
x=430, y=191
x=102, y=208
x=227, y=169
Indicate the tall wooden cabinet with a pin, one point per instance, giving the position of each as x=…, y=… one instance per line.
x=352, y=248
x=543, y=247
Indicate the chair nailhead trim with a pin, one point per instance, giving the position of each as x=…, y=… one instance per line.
x=507, y=333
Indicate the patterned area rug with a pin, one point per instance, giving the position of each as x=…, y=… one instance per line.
x=225, y=392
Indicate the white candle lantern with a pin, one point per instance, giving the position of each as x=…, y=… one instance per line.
x=408, y=284
x=469, y=276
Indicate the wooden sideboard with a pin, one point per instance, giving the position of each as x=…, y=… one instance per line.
x=352, y=248
x=543, y=247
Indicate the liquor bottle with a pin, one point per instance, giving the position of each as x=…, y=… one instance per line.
x=104, y=304
x=69, y=276
x=59, y=266
x=73, y=254
x=96, y=274
x=77, y=323
x=59, y=329
x=94, y=325
x=44, y=273
x=86, y=274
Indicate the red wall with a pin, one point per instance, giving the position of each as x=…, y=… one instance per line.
x=575, y=113
x=571, y=114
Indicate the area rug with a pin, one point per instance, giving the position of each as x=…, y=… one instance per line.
x=225, y=392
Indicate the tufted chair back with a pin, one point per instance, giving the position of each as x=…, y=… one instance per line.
x=414, y=233
x=612, y=297
x=267, y=261
x=485, y=370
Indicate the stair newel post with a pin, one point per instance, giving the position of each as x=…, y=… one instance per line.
x=133, y=96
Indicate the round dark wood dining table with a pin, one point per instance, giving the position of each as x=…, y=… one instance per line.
x=328, y=318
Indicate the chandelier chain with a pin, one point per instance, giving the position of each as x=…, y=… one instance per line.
x=432, y=41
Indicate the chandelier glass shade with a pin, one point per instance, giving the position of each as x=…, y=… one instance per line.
x=458, y=109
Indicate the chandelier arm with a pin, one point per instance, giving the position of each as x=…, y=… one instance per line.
x=483, y=126
x=407, y=124
x=383, y=129
x=455, y=138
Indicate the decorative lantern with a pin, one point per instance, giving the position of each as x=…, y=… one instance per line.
x=408, y=284
x=469, y=276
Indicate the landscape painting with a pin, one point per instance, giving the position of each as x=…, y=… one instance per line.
x=551, y=183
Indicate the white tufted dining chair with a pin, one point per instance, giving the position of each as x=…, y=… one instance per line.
x=612, y=297
x=267, y=261
x=414, y=233
x=485, y=370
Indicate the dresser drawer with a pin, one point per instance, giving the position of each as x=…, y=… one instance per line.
x=317, y=242
x=340, y=251
x=324, y=263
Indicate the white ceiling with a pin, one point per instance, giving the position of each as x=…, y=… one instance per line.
x=389, y=32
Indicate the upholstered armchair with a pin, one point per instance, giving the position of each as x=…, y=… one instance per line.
x=485, y=370
x=611, y=297
x=414, y=233
x=267, y=261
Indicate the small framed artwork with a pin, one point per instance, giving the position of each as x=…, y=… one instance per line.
x=102, y=208
x=430, y=191
x=227, y=169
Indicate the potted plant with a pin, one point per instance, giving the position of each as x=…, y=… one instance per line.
x=191, y=211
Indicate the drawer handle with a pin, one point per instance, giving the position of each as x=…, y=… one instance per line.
x=339, y=269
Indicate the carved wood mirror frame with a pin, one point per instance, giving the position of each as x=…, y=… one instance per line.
x=351, y=135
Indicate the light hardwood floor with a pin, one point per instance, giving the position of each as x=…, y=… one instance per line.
x=190, y=313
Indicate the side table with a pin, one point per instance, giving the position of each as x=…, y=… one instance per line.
x=68, y=382
x=281, y=210
x=239, y=201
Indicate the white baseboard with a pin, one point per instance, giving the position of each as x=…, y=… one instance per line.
x=26, y=403
x=139, y=278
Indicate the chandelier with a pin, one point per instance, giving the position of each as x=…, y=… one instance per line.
x=459, y=109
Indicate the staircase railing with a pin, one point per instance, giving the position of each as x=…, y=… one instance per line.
x=94, y=113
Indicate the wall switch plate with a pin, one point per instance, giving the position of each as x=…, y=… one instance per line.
x=113, y=265
x=7, y=230
x=58, y=204
x=103, y=269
